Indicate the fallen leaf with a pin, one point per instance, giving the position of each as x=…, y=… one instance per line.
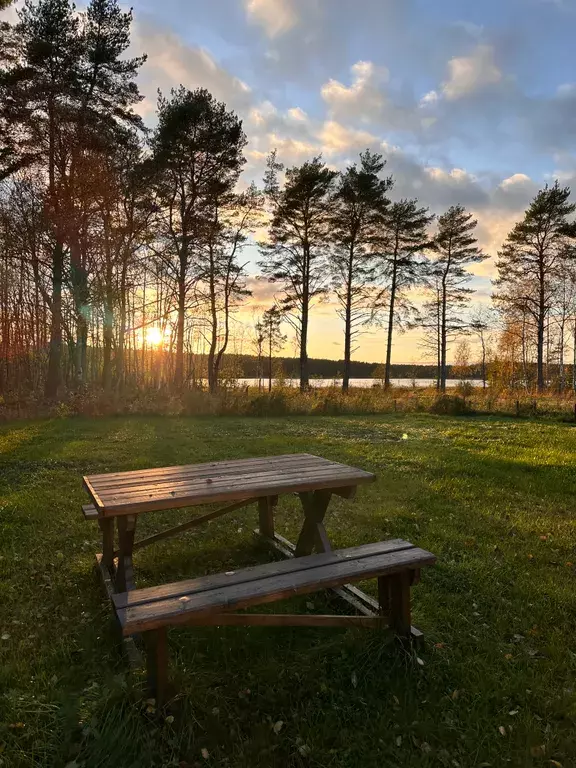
x=277, y=726
x=419, y=660
x=425, y=747
x=5, y=636
x=205, y=754
x=543, y=538
x=169, y=719
x=555, y=763
x=354, y=679
x=440, y=645
x=398, y=741
x=310, y=605
x=513, y=712
x=16, y=725
x=539, y=750
x=304, y=749
x=502, y=730
x=508, y=656
x=530, y=557
x=455, y=694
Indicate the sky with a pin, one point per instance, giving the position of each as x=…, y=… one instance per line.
x=469, y=102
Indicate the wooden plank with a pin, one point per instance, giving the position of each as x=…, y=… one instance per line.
x=269, y=589
x=213, y=469
x=225, y=494
x=286, y=620
x=263, y=479
x=107, y=530
x=90, y=512
x=256, y=572
x=188, y=525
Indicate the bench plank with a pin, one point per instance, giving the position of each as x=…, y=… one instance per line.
x=268, y=589
x=253, y=573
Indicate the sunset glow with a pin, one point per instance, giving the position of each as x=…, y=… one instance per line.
x=154, y=336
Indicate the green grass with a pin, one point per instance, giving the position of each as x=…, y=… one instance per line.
x=493, y=499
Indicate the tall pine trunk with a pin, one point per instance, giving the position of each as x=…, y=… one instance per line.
x=388, y=366
x=348, y=323
x=179, y=368
x=443, y=342
x=54, y=374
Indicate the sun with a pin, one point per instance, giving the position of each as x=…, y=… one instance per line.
x=154, y=336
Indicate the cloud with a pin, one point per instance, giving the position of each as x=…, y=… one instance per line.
x=363, y=97
x=275, y=16
x=468, y=74
x=172, y=62
x=338, y=139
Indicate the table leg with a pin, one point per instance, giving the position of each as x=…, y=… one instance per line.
x=266, y=515
x=313, y=533
x=107, y=528
x=126, y=531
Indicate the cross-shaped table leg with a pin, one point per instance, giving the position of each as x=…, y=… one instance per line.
x=313, y=534
x=126, y=531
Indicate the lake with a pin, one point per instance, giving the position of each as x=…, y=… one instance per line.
x=361, y=382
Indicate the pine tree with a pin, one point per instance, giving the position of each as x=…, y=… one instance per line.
x=197, y=159
x=454, y=249
x=360, y=203
x=295, y=256
x=405, y=238
x=533, y=255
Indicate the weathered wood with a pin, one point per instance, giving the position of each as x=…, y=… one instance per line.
x=90, y=512
x=286, y=620
x=384, y=596
x=124, y=573
x=173, y=487
x=135, y=476
x=266, y=516
x=170, y=532
x=107, y=530
x=315, y=505
x=257, y=572
x=268, y=589
x=346, y=493
x=400, y=620
x=324, y=544
x=157, y=664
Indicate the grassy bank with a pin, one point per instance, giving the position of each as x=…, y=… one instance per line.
x=493, y=498
x=289, y=401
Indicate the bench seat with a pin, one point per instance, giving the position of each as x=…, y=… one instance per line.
x=212, y=599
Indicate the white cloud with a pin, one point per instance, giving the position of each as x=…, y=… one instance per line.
x=337, y=138
x=363, y=97
x=275, y=16
x=468, y=74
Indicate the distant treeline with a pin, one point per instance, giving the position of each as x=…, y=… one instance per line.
x=328, y=369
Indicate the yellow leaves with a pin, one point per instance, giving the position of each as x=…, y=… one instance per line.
x=16, y=726
x=555, y=763
x=508, y=656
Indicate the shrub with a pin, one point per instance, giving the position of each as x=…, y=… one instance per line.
x=450, y=405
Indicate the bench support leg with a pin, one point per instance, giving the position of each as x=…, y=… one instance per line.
x=126, y=531
x=157, y=664
x=399, y=584
x=313, y=533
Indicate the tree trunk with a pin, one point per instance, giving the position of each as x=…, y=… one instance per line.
x=54, y=374
x=540, y=343
x=443, y=343
x=390, y=326
x=270, y=357
x=179, y=369
x=304, y=373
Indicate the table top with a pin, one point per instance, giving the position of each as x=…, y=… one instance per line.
x=146, y=490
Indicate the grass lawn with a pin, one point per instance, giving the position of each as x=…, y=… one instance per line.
x=493, y=499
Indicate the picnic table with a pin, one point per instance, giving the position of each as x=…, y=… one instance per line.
x=118, y=499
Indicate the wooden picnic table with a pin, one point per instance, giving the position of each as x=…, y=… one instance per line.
x=118, y=498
